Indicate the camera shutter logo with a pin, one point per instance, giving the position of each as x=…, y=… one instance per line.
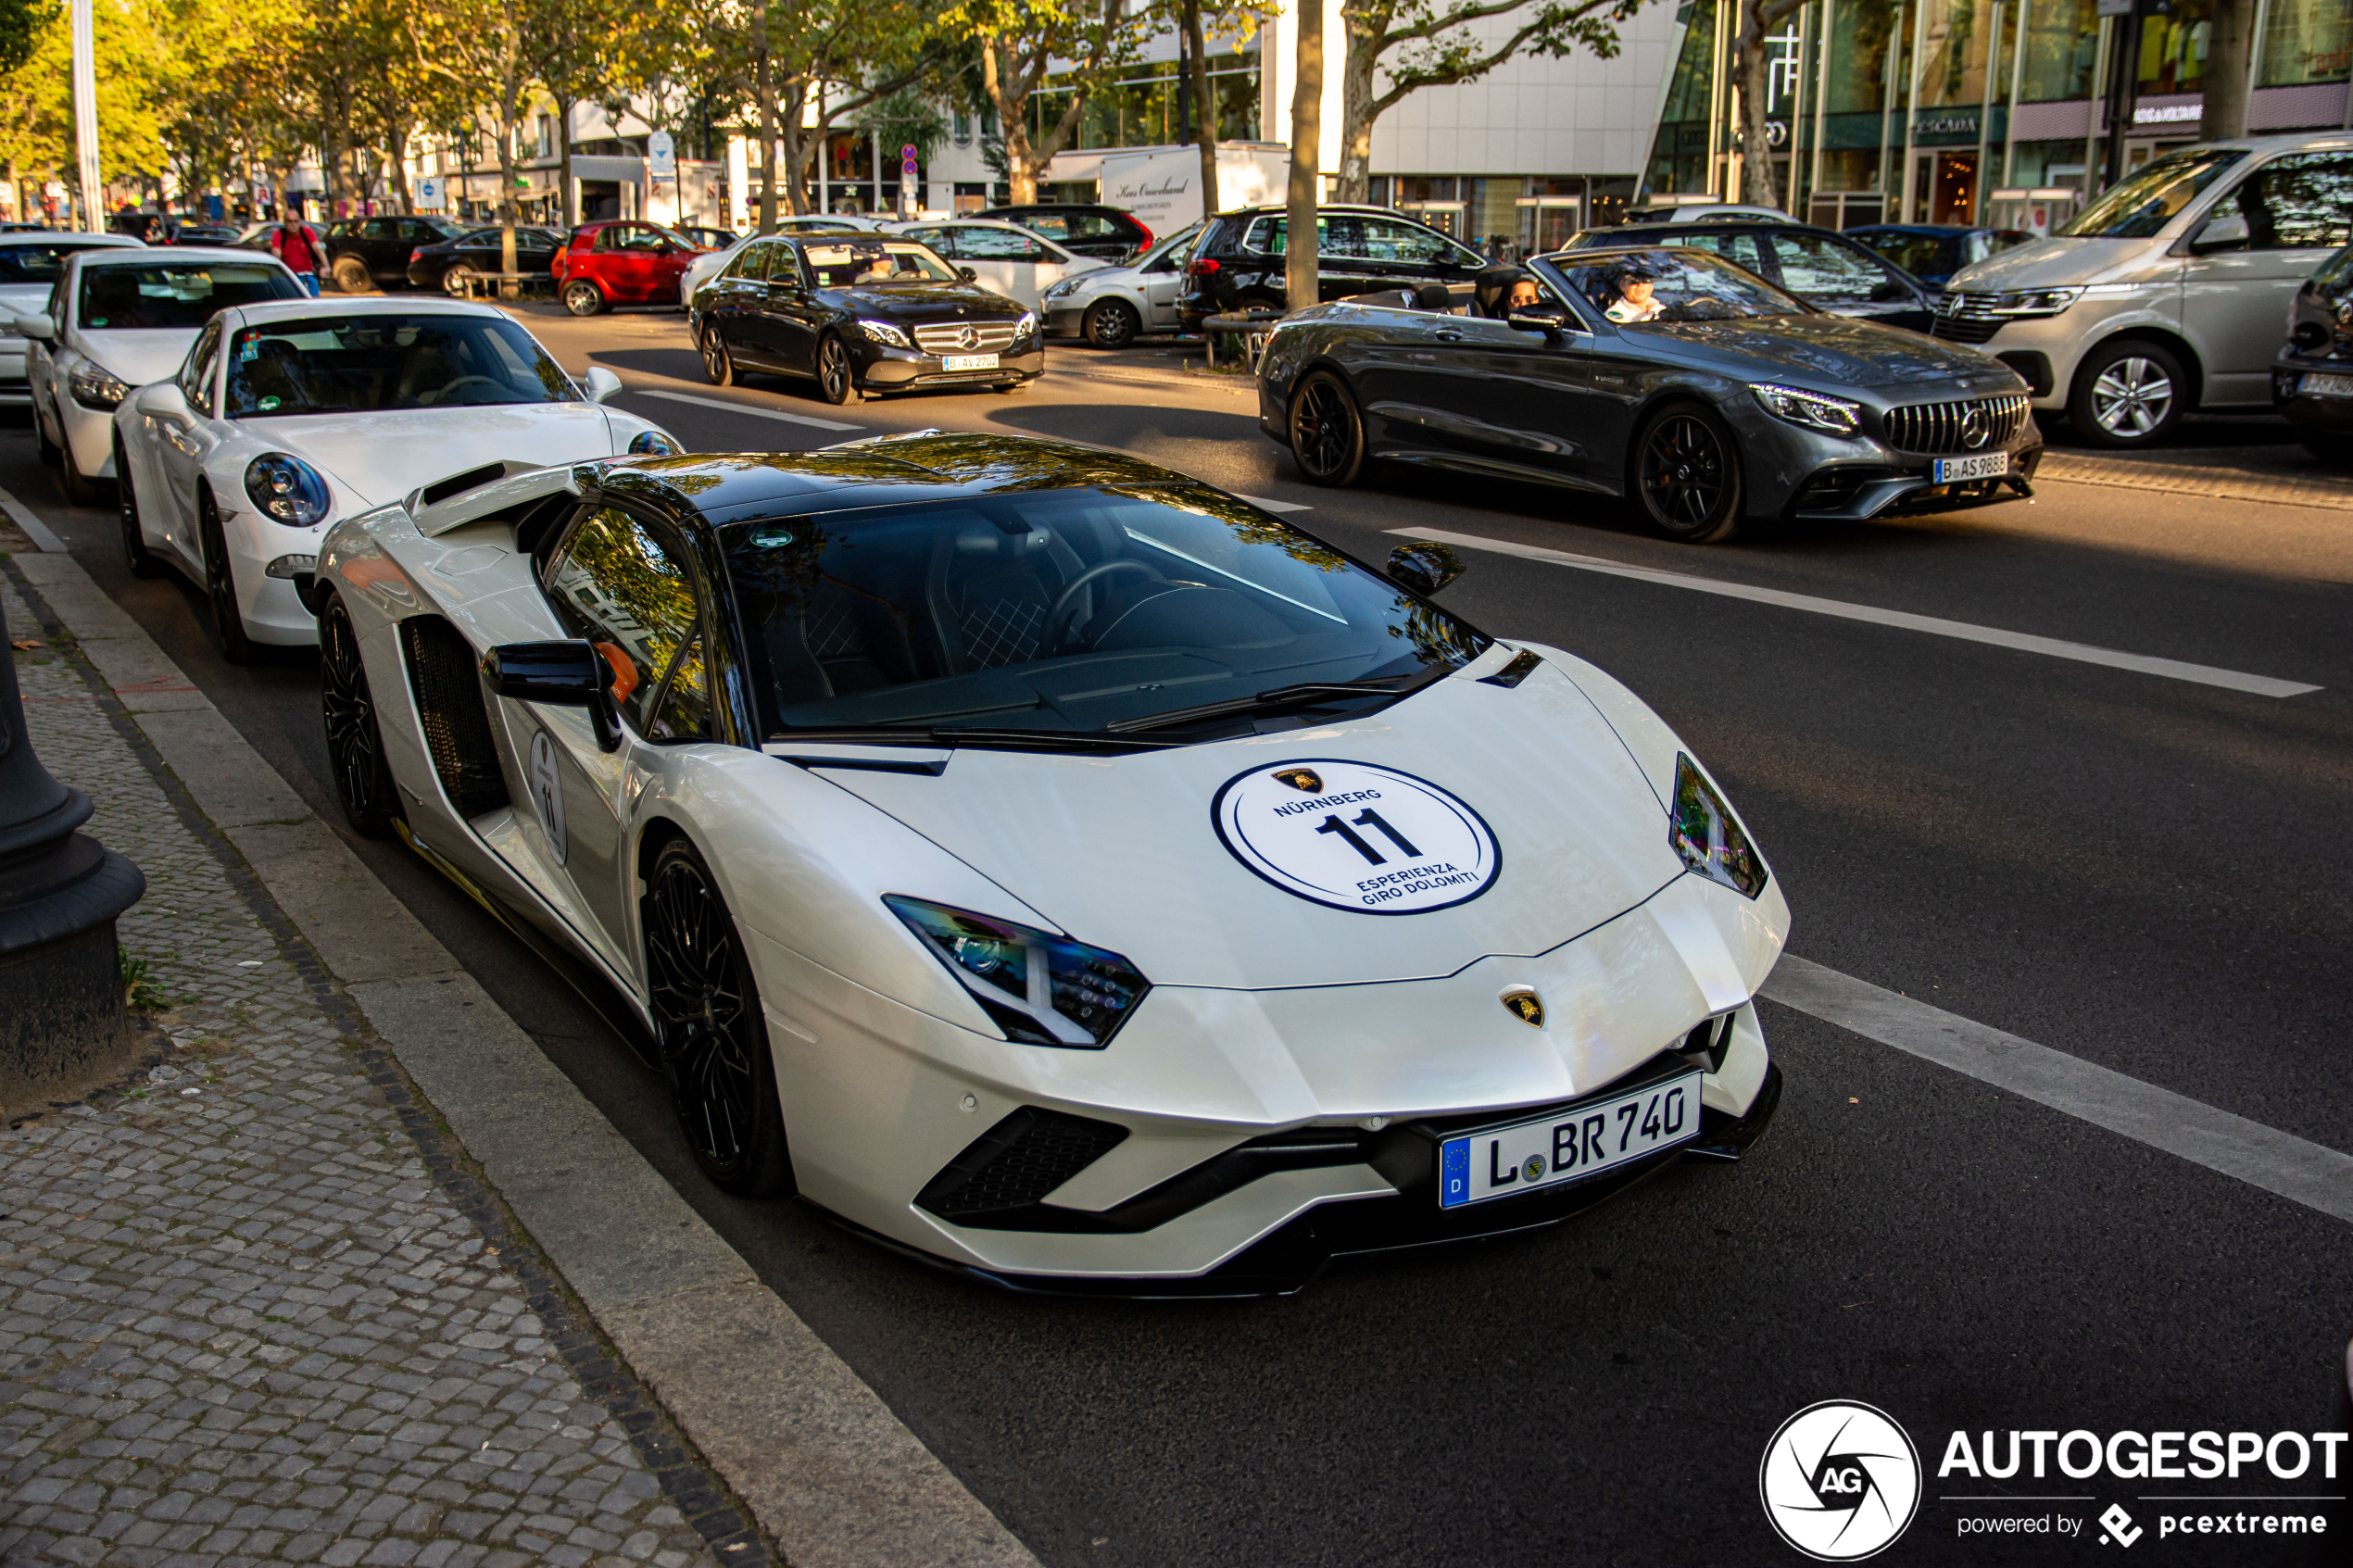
x=1841, y=1481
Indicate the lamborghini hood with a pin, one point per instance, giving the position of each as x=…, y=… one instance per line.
x=382, y=457
x=1146, y=854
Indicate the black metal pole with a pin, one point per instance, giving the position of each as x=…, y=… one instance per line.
x=64, y=1030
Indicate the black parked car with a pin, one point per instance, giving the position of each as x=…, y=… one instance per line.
x=1662, y=374
x=862, y=312
x=1823, y=267
x=1239, y=263
x=190, y=232
x=444, y=263
x=373, y=251
x=1933, y=251
x=1107, y=232
x=2312, y=381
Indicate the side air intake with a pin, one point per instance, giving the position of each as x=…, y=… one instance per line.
x=457, y=728
x=1016, y=1163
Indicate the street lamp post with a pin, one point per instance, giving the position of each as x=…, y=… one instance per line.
x=63, y=1027
x=85, y=116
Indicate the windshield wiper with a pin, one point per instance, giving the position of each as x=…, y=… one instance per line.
x=1302, y=694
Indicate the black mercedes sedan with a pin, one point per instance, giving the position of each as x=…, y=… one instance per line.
x=855, y=312
x=1658, y=374
x=2312, y=379
x=445, y=263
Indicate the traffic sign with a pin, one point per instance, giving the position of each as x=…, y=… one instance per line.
x=907, y=161
x=661, y=157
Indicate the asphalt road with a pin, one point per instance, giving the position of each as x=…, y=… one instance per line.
x=2140, y=872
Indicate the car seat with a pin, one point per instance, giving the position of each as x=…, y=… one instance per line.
x=1434, y=296
x=991, y=590
x=1492, y=287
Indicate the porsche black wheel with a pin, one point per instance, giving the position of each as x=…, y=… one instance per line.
x=833, y=370
x=355, y=745
x=79, y=489
x=714, y=1044
x=718, y=365
x=1111, y=323
x=134, y=545
x=1327, y=433
x=221, y=584
x=1687, y=475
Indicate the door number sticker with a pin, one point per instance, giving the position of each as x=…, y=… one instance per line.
x=548, y=792
x=1356, y=835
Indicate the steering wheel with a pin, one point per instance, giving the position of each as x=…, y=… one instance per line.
x=449, y=387
x=1053, y=637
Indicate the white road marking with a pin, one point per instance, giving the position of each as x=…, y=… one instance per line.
x=2084, y=653
x=1266, y=505
x=2278, y=1162
x=756, y=412
x=34, y=529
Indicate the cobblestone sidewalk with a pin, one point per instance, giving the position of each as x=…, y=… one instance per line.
x=248, y=1310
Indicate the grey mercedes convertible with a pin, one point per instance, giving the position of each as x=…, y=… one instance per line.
x=1662, y=374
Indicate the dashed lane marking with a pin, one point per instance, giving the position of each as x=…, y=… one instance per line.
x=1266, y=505
x=2055, y=648
x=759, y=413
x=2279, y=1162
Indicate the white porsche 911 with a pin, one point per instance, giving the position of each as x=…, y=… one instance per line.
x=287, y=415
x=1054, y=866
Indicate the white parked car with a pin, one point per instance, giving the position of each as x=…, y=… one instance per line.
x=1058, y=867
x=1003, y=258
x=287, y=416
x=1111, y=307
x=705, y=267
x=30, y=261
x=120, y=318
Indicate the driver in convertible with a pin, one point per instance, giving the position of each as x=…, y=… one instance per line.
x=1635, y=287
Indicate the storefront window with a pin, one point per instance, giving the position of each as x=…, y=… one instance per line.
x=2306, y=40
x=2173, y=47
x=1146, y=105
x=1953, y=70
x=1860, y=34
x=2062, y=47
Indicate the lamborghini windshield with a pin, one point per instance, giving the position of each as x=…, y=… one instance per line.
x=1108, y=611
x=370, y=363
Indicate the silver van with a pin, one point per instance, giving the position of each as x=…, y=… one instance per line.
x=2170, y=292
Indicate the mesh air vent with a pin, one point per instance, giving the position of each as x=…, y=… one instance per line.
x=1017, y=1162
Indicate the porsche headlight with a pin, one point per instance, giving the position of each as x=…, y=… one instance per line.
x=287, y=490
x=882, y=332
x=1835, y=416
x=95, y=386
x=654, y=444
x=1708, y=837
x=1040, y=988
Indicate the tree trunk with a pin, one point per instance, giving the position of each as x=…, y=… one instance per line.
x=1757, y=183
x=2224, y=112
x=797, y=148
x=398, y=137
x=1366, y=27
x=1205, y=108
x=1302, y=272
x=568, y=206
x=1012, y=123
x=764, y=89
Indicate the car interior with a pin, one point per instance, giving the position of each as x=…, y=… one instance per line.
x=387, y=362
x=123, y=296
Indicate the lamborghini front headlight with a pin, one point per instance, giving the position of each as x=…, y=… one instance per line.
x=1040, y=988
x=1708, y=837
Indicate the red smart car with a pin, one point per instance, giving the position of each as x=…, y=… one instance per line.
x=625, y=261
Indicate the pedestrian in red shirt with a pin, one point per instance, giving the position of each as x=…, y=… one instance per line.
x=296, y=243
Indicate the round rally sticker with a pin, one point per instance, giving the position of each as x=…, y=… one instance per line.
x=1356, y=835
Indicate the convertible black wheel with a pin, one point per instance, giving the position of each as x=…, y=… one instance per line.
x=1111, y=323
x=1327, y=433
x=1688, y=475
x=355, y=745
x=714, y=1044
x=718, y=365
x=221, y=584
x=833, y=370
x=134, y=544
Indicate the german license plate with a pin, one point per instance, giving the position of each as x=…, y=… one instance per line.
x=1568, y=1145
x=1986, y=465
x=2316, y=385
x=968, y=361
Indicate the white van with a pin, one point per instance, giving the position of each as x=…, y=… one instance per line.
x=2167, y=293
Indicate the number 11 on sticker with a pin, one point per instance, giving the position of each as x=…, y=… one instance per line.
x=1372, y=819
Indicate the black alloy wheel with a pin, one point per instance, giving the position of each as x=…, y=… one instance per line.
x=1327, y=433
x=714, y=1044
x=833, y=370
x=1111, y=323
x=78, y=488
x=1688, y=475
x=221, y=584
x=582, y=297
x=134, y=545
x=718, y=365
x=355, y=745
x=351, y=275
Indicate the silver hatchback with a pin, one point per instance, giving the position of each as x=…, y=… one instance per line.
x=2167, y=293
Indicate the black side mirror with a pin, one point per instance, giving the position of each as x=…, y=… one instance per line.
x=968, y=274
x=1425, y=566
x=566, y=674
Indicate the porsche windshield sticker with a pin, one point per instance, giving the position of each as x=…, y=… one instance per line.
x=547, y=792
x=1356, y=836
